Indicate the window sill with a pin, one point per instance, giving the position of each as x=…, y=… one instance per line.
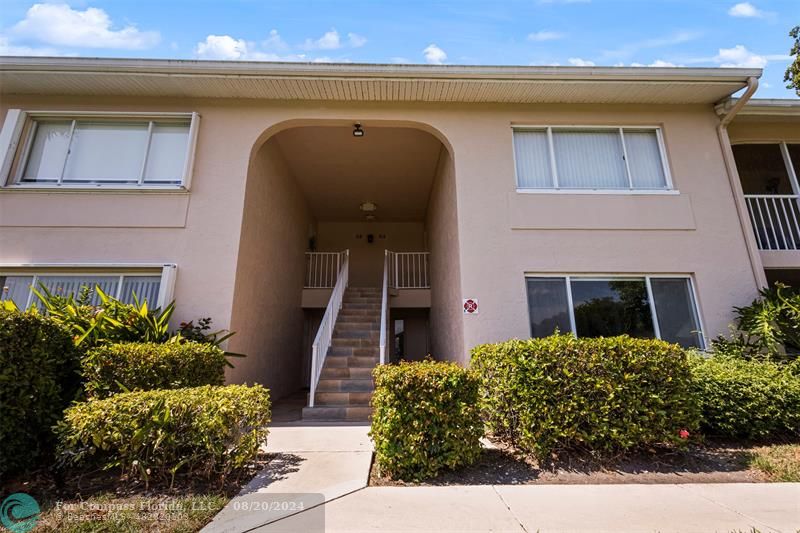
x=628, y=192
x=105, y=189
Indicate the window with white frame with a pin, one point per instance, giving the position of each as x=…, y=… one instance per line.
x=590, y=158
x=100, y=150
x=17, y=286
x=661, y=307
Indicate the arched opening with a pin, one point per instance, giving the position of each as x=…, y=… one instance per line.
x=315, y=190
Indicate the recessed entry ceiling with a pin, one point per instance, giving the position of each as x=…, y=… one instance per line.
x=389, y=166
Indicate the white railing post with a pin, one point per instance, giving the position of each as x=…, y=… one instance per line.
x=410, y=270
x=774, y=218
x=384, y=306
x=322, y=342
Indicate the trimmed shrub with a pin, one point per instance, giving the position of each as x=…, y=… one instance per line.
x=426, y=419
x=747, y=398
x=601, y=394
x=148, y=366
x=207, y=431
x=38, y=378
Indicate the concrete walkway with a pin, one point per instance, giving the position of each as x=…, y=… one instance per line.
x=317, y=482
x=311, y=465
x=557, y=508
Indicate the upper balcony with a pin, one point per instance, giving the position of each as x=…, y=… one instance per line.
x=768, y=172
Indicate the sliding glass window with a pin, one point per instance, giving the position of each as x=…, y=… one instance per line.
x=645, y=307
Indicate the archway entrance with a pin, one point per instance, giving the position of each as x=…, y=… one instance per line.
x=315, y=191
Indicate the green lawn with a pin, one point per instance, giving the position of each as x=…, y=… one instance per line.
x=780, y=462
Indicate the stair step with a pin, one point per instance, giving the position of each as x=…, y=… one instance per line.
x=346, y=385
x=351, y=361
x=358, y=326
x=364, y=334
x=355, y=342
x=345, y=372
x=349, y=399
x=339, y=413
x=360, y=305
x=346, y=351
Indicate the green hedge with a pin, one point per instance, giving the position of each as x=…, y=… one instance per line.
x=38, y=378
x=148, y=366
x=747, y=398
x=425, y=419
x=207, y=431
x=603, y=394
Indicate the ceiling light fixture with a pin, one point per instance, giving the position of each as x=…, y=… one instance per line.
x=357, y=131
x=368, y=207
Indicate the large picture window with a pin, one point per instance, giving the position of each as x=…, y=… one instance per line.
x=645, y=307
x=16, y=287
x=590, y=158
x=58, y=150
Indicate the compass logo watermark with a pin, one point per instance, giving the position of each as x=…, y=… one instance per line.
x=19, y=513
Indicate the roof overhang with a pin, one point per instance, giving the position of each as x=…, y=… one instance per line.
x=367, y=82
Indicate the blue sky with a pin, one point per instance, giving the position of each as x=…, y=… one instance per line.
x=530, y=32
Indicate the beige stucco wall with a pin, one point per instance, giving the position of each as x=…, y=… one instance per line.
x=366, y=259
x=446, y=333
x=267, y=313
x=761, y=129
x=501, y=235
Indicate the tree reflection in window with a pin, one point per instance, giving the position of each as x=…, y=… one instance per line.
x=611, y=307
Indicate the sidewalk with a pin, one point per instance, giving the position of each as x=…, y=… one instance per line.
x=317, y=483
x=559, y=508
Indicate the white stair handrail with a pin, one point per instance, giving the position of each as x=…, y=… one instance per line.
x=384, y=306
x=322, y=342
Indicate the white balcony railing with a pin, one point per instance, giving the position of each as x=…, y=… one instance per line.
x=409, y=270
x=322, y=342
x=322, y=269
x=384, y=306
x=776, y=220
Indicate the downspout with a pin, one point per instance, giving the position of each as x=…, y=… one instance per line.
x=736, y=183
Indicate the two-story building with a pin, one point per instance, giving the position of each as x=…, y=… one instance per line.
x=340, y=216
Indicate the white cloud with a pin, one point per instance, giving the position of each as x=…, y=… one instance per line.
x=222, y=47
x=356, y=40
x=662, y=63
x=227, y=48
x=740, y=57
x=544, y=35
x=434, y=55
x=630, y=49
x=329, y=41
x=578, y=62
x=274, y=41
x=9, y=49
x=400, y=60
x=746, y=10
x=60, y=25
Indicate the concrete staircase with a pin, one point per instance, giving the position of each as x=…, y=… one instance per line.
x=345, y=385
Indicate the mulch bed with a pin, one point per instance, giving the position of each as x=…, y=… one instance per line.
x=712, y=462
x=49, y=484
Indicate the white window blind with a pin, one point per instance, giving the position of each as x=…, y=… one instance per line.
x=106, y=151
x=589, y=158
x=532, y=158
x=17, y=288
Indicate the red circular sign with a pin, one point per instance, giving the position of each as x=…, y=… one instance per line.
x=470, y=305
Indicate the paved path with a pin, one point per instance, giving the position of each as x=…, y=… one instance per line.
x=318, y=483
x=557, y=508
x=311, y=465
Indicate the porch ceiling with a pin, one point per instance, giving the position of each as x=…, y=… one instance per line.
x=389, y=166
